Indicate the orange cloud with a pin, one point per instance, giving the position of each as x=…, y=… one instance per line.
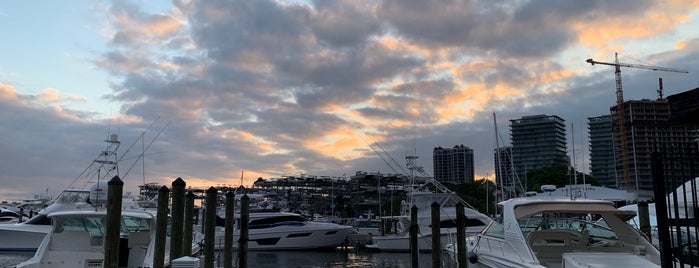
x=339, y=143
x=7, y=92
x=604, y=31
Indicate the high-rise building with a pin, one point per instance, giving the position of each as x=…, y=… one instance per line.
x=504, y=171
x=453, y=165
x=647, y=130
x=538, y=141
x=602, y=141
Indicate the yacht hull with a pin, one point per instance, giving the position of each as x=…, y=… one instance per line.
x=311, y=235
x=22, y=237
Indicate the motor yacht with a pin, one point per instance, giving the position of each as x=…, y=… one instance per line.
x=423, y=198
x=76, y=239
x=534, y=232
x=275, y=230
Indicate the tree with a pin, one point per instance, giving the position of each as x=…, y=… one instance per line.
x=558, y=175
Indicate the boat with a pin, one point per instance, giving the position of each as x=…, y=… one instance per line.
x=368, y=225
x=422, y=198
x=77, y=239
x=545, y=232
x=276, y=230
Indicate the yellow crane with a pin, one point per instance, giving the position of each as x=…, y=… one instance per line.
x=621, y=114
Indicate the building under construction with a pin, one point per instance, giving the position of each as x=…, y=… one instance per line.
x=647, y=129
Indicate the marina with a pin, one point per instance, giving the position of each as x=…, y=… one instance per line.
x=300, y=259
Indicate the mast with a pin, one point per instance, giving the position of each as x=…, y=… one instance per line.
x=497, y=154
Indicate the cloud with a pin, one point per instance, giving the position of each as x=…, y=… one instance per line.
x=276, y=88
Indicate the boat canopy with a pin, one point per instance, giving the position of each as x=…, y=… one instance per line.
x=596, y=207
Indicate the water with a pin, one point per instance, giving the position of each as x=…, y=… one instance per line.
x=301, y=259
x=11, y=258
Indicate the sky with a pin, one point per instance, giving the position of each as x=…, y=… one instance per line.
x=269, y=88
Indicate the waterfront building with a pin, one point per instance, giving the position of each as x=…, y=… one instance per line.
x=602, y=141
x=453, y=165
x=538, y=141
x=647, y=130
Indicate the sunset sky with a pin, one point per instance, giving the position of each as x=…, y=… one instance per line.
x=305, y=87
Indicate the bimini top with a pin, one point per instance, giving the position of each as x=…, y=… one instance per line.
x=524, y=207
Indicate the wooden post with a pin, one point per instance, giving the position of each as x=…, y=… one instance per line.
x=115, y=188
x=461, y=236
x=644, y=219
x=210, y=227
x=243, y=240
x=228, y=237
x=414, y=250
x=161, y=227
x=177, y=231
x=188, y=224
x=436, y=237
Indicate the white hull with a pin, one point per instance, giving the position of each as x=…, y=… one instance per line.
x=312, y=235
x=401, y=242
x=22, y=237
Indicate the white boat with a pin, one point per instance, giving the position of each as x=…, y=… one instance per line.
x=27, y=236
x=423, y=199
x=274, y=230
x=368, y=225
x=76, y=239
x=90, y=184
x=560, y=233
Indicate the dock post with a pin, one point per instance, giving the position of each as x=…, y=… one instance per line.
x=414, y=250
x=188, y=224
x=644, y=219
x=436, y=237
x=115, y=188
x=228, y=238
x=177, y=231
x=461, y=236
x=161, y=227
x=243, y=239
x=210, y=227
x=21, y=215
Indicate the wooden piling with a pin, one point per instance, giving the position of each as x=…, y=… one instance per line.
x=188, y=224
x=161, y=227
x=228, y=238
x=414, y=250
x=177, y=227
x=461, y=236
x=436, y=237
x=244, y=235
x=210, y=227
x=115, y=188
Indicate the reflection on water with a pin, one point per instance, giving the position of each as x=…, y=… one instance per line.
x=306, y=259
x=300, y=259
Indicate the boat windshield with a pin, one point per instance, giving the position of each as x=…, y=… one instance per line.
x=567, y=221
x=96, y=225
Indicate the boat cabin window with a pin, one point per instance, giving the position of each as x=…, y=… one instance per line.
x=495, y=229
x=579, y=222
x=272, y=221
x=96, y=225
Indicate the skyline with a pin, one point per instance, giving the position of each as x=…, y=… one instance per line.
x=289, y=87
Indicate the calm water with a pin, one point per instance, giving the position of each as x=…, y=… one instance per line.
x=10, y=258
x=300, y=259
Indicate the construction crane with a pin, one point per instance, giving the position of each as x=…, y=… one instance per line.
x=621, y=116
